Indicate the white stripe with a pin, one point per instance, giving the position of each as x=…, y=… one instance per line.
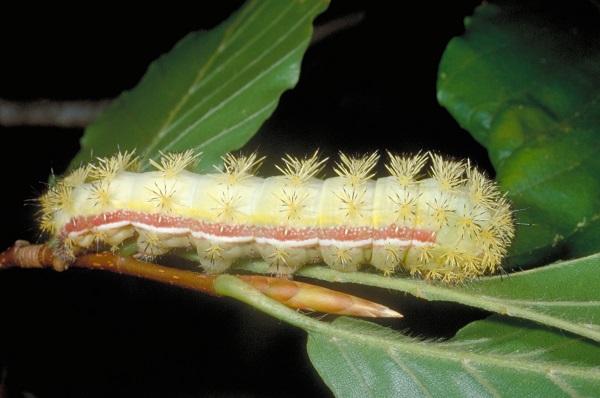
x=345, y=243
x=161, y=230
x=400, y=242
x=118, y=224
x=247, y=239
x=223, y=239
x=287, y=243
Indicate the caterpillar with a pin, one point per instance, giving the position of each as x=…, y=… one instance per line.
x=430, y=217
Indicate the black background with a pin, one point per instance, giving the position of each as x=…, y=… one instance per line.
x=91, y=334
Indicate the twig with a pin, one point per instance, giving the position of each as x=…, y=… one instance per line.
x=66, y=114
x=337, y=25
x=79, y=114
x=298, y=295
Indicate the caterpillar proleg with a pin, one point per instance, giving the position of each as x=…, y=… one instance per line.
x=436, y=218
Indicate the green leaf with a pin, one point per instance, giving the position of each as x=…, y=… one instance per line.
x=526, y=84
x=487, y=358
x=213, y=90
x=564, y=295
x=493, y=358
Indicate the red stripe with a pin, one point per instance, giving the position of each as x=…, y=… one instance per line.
x=281, y=233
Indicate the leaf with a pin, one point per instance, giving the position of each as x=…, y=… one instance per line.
x=487, y=358
x=564, y=295
x=213, y=90
x=525, y=82
x=493, y=358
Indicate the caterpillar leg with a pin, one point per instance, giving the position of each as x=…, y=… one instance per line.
x=217, y=257
x=345, y=259
x=286, y=260
x=94, y=240
x=149, y=244
x=387, y=258
x=119, y=235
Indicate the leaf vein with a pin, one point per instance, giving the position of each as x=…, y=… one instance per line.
x=560, y=383
x=161, y=132
x=228, y=99
x=242, y=49
x=394, y=356
x=359, y=375
x=242, y=89
x=475, y=374
x=235, y=126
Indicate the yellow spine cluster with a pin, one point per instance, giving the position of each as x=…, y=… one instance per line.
x=240, y=167
x=171, y=164
x=299, y=171
x=470, y=219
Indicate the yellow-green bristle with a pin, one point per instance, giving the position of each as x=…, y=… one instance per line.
x=449, y=174
x=227, y=205
x=100, y=194
x=163, y=197
x=173, y=163
x=108, y=168
x=406, y=169
x=77, y=177
x=236, y=168
x=298, y=171
x=292, y=203
x=357, y=170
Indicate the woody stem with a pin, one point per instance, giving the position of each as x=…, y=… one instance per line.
x=294, y=294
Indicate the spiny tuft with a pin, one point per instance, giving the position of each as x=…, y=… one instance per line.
x=77, y=177
x=149, y=244
x=469, y=222
x=100, y=194
x=46, y=223
x=482, y=191
x=173, y=163
x=405, y=206
x=440, y=210
x=448, y=174
x=357, y=170
x=163, y=197
x=214, y=253
x=58, y=198
x=502, y=220
x=237, y=168
x=292, y=203
x=352, y=202
x=343, y=257
x=227, y=208
x=108, y=168
x=279, y=257
x=298, y=171
x=406, y=169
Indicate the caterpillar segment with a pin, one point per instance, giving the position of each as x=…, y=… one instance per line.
x=431, y=217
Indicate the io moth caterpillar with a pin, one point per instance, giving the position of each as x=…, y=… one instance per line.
x=436, y=218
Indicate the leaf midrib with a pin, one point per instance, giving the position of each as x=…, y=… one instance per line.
x=433, y=292
x=229, y=285
x=173, y=124
x=183, y=100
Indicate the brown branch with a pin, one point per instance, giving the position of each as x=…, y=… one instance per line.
x=79, y=114
x=337, y=25
x=50, y=113
x=294, y=294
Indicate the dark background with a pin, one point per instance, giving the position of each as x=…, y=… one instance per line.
x=92, y=334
